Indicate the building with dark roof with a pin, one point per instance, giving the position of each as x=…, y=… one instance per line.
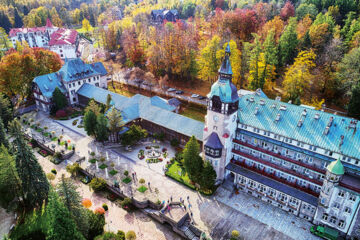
x=302, y=160
x=158, y=16
x=69, y=79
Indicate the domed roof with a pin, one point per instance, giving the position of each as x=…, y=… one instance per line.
x=226, y=90
x=336, y=167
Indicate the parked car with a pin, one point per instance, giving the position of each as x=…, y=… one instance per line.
x=202, y=97
x=179, y=92
x=171, y=89
x=195, y=95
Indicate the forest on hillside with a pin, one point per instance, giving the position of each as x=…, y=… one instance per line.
x=307, y=51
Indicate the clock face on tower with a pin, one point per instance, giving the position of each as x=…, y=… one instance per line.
x=216, y=118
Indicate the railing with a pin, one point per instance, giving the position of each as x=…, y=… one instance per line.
x=273, y=176
x=350, y=187
x=280, y=168
x=279, y=156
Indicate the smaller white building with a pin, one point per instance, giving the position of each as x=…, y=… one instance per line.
x=69, y=79
x=64, y=42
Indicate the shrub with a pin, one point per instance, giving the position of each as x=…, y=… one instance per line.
x=92, y=154
x=174, y=142
x=50, y=176
x=130, y=235
x=102, y=159
x=113, y=172
x=126, y=180
x=103, y=166
x=235, y=234
x=60, y=114
x=142, y=189
x=73, y=169
x=120, y=235
x=105, y=207
x=158, y=202
x=112, y=164
x=126, y=203
x=98, y=184
x=54, y=171
x=126, y=172
x=74, y=122
x=142, y=181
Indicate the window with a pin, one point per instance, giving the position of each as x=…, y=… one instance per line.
x=79, y=83
x=97, y=84
x=62, y=55
x=341, y=223
x=74, y=99
x=325, y=217
x=333, y=220
x=72, y=92
x=73, y=84
x=89, y=80
x=341, y=193
x=352, y=198
x=347, y=210
x=336, y=205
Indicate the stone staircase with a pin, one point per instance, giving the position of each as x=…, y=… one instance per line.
x=187, y=231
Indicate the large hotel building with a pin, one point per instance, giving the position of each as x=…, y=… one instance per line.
x=297, y=158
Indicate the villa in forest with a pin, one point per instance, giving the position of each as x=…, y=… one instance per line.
x=158, y=16
x=302, y=160
x=63, y=41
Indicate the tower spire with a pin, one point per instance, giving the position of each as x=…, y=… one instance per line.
x=225, y=71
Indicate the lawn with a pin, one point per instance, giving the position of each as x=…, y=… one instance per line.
x=123, y=92
x=173, y=172
x=93, y=160
x=54, y=139
x=194, y=113
x=126, y=180
x=103, y=166
x=113, y=172
x=142, y=189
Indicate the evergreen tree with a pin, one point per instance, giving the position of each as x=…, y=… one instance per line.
x=255, y=78
x=288, y=42
x=59, y=99
x=90, y=123
x=72, y=200
x=35, y=186
x=3, y=139
x=306, y=41
x=96, y=224
x=270, y=49
x=354, y=104
x=193, y=163
x=25, y=10
x=10, y=185
x=101, y=130
x=61, y=225
x=5, y=22
x=108, y=101
x=93, y=106
x=6, y=109
x=18, y=23
x=208, y=177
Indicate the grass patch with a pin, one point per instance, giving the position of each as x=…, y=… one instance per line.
x=103, y=166
x=39, y=129
x=126, y=180
x=194, y=113
x=142, y=189
x=93, y=160
x=113, y=172
x=121, y=91
x=46, y=134
x=54, y=139
x=62, y=143
x=173, y=172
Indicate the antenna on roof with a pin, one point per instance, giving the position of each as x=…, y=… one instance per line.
x=277, y=117
x=317, y=116
x=300, y=123
x=256, y=110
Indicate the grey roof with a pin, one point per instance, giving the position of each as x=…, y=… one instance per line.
x=313, y=124
x=140, y=106
x=174, y=102
x=273, y=184
x=214, y=141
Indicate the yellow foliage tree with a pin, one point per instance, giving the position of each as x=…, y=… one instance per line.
x=298, y=76
x=303, y=26
x=208, y=61
x=265, y=72
x=319, y=34
x=86, y=26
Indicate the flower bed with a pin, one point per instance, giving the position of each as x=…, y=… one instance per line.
x=103, y=166
x=147, y=147
x=142, y=189
x=154, y=160
x=43, y=153
x=93, y=160
x=164, y=150
x=113, y=172
x=126, y=180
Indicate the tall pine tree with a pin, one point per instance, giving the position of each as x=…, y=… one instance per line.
x=288, y=42
x=90, y=123
x=3, y=139
x=208, y=177
x=35, y=186
x=193, y=163
x=18, y=22
x=101, y=130
x=354, y=104
x=61, y=225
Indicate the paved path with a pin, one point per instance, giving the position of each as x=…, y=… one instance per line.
x=6, y=220
x=218, y=214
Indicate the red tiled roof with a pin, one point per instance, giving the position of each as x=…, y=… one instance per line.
x=14, y=31
x=63, y=37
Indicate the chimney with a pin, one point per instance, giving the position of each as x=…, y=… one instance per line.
x=317, y=116
x=330, y=121
x=300, y=123
x=256, y=110
x=277, y=117
x=326, y=131
x=341, y=140
x=304, y=113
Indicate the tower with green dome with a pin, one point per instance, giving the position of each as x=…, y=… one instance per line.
x=221, y=118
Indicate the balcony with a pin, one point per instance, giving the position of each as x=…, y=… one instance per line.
x=280, y=168
x=273, y=176
x=280, y=156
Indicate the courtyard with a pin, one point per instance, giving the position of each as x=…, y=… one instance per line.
x=218, y=214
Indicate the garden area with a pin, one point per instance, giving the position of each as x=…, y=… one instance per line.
x=153, y=154
x=176, y=171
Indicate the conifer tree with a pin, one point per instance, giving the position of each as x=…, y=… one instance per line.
x=208, y=177
x=18, y=23
x=101, y=130
x=6, y=109
x=3, y=139
x=90, y=123
x=193, y=163
x=59, y=99
x=35, y=186
x=72, y=200
x=61, y=225
x=288, y=42
x=354, y=104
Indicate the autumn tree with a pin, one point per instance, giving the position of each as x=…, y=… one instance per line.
x=208, y=61
x=348, y=71
x=287, y=11
x=86, y=25
x=306, y=9
x=298, y=76
x=115, y=123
